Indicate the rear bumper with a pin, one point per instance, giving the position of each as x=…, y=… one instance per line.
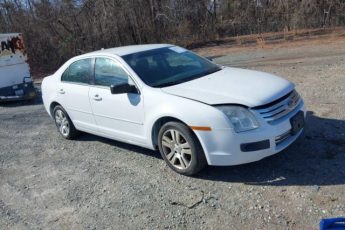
x=24, y=91
x=225, y=147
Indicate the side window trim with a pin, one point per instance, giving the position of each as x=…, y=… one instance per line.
x=92, y=72
x=64, y=72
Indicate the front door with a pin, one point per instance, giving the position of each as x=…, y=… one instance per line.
x=117, y=115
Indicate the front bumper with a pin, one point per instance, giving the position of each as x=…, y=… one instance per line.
x=24, y=91
x=223, y=146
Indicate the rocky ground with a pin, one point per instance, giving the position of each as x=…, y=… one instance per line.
x=47, y=182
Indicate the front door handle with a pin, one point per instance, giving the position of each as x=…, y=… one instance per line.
x=61, y=91
x=97, y=98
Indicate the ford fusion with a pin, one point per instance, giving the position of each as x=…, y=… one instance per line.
x=166, y=98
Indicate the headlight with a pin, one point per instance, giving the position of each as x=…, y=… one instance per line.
x=241, y=118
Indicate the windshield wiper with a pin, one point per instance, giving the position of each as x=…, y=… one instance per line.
x=188, y=79
x=169, y=84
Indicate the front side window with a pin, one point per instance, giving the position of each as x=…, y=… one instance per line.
x=78, y=72
x=109, y=72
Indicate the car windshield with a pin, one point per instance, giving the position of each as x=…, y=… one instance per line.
x=169, y=66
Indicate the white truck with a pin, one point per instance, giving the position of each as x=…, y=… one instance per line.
x=15, y=79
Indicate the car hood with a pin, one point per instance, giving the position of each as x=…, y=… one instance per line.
x=233, y=86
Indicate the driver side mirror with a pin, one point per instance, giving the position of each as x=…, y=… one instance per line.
x=123, y=88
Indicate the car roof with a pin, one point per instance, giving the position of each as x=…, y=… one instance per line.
x=124, y=50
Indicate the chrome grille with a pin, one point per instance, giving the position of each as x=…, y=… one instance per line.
x=279, y=108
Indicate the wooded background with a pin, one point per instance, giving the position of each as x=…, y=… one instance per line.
x=55, y=30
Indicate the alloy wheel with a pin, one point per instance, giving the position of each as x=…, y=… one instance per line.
x=176, y=149
x=62, y=122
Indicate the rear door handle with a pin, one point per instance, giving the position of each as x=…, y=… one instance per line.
x=97, y=98
x=61, y=91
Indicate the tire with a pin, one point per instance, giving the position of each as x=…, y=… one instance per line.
x=181, y=149
x=64, y=124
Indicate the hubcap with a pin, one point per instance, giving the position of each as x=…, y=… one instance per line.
x=62, y=122
x=176, y=149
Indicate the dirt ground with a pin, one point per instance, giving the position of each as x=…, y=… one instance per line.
x=47, y=182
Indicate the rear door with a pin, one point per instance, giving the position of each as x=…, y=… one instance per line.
x=74, y=94
x=117, y=115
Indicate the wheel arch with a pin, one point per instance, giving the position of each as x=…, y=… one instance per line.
x=52, y=106
x=157, y=126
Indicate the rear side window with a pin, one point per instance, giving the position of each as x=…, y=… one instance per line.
x=109, y=72
x=78, y=72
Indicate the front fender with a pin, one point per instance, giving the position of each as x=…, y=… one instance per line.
x=193, y=113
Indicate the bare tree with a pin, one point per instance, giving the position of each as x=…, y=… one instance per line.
x=56, y=30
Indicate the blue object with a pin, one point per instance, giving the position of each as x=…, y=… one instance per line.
x=332, y=223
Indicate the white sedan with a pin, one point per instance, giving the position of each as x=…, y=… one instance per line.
x=168, y=98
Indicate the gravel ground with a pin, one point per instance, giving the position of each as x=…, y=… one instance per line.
x=47, y=182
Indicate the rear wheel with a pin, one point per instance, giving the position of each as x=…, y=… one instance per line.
x=64, y=123
x=181, y=149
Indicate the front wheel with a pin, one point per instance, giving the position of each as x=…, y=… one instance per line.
x=64, y=123
x=181, y=149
